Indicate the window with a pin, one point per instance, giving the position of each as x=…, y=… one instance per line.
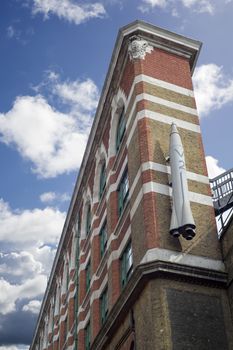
x=78, y=230
x=104, y=306
x=126, y=265
x=120, y=129
x=87, y=335
x=102, y=179
x=88, y=275
x=65, y=330
x=88, y=220
x=67, y=277
x=123, y=192
x=78, y=225
x=103, y=239
x=132, y=347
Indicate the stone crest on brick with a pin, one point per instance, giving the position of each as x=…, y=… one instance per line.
x=138, y=48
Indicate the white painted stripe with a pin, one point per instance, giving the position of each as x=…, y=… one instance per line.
x=167, y=169
x=166, y=190
x=97, y=293
x=82, y=324
x=71, y=347
x=55, y=337
x=84, y=264
x=167, y=255
x=71, y=294
x=145, y=113
x=117, y=253
x=134, y=184
x=114, y=186
x=163, y=84
x=159, y=188
x=63, y=317
x=95, y=232
x=168, y=120
x=166, y=103
x=136, y=204
x=132, y=130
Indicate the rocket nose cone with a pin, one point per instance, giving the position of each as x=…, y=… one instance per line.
x=174, y=128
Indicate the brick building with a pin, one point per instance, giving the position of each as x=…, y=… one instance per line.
x=120, y=280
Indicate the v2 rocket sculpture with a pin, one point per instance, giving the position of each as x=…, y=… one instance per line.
x=182, y=222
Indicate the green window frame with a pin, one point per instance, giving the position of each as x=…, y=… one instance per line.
x=126, y=265
x=88, y=219
x=103, y=239
x=67, y=277
x=121, y=126
x=78, y=232
x=103, y=178
x=88, y=275
x=87, y=336
x=123, y=192
x=104, y=306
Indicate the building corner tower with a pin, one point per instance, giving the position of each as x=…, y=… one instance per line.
x=120, y=279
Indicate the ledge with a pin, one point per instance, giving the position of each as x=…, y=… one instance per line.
x=140, y=277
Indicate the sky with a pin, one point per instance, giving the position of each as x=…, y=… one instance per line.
x=54, y=57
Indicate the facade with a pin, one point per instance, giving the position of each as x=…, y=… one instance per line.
x=120, y=280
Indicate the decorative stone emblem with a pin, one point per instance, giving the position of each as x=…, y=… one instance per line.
x=138, y=48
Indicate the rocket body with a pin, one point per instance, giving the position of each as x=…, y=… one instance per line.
x=182, y=221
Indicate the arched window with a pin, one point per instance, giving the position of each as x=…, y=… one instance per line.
x=86, y=213
x=102, y=183
x=120, y=128
x=88, y=219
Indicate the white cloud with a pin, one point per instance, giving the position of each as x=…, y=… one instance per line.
x=158, y=3
x=44, y=255
x=54, y=141
x=81, y=94
x=21, y=36
x=49, y=197
x=82, y=97
x=43, y=226
x=14, y=347
x=146, y=5
x=33, y=306
x=10, y=293
x=212, y=88
x=10, y=32
x=199, y=6
x=69, y=10
x=20, y=264
x=31, y=237
x=214, y=169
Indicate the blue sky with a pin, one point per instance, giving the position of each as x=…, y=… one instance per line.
x=54, y=58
